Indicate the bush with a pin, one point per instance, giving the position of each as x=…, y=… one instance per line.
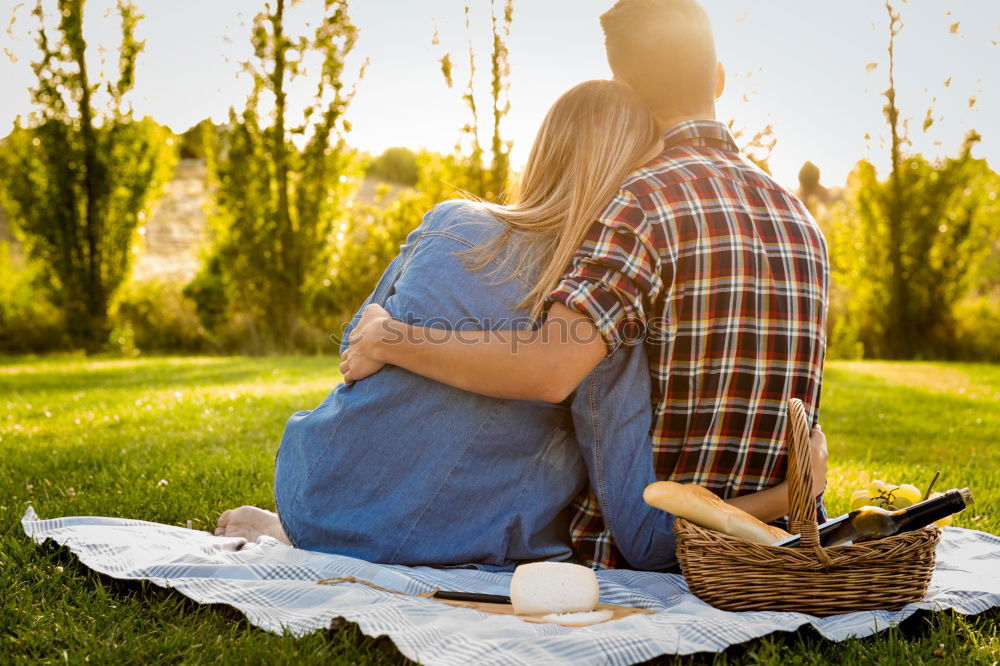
x=976, y=332
x=155, y=316
x=29, y=322
x=364, y=244
x=208, y=293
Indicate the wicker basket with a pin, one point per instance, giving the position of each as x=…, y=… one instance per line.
x=737, y=575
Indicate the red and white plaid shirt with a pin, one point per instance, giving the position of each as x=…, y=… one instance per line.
x=723, y=274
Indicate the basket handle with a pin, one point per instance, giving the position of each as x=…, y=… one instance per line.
x=801, y=502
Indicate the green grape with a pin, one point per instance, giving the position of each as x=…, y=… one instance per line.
x=876, y=487
x=860, y=498
x=906, y=495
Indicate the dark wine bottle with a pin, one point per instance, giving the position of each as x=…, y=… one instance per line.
x=871, y=522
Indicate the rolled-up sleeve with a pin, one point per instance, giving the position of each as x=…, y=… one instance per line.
x=615, y=275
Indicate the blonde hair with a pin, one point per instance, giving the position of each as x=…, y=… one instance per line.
x=591, y=139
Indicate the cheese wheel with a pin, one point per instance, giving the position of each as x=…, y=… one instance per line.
x=540, y=588
x=703, y=507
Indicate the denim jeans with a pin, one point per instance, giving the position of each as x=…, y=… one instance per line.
x=612, y=412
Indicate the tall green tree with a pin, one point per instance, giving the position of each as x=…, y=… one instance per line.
x=368, y=239
x=472, y=168
x=276, y=199
x=78, y=178
x=905, y=248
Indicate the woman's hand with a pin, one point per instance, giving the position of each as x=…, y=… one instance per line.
x=360, y=359
x=818, y=457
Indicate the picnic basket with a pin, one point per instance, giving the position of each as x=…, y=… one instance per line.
x=736, y=575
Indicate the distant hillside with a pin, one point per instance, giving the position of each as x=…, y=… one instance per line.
x=177, y=229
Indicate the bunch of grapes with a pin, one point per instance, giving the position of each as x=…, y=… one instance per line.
x=892, y=497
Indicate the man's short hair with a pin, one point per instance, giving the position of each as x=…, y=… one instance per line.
x=664, y=49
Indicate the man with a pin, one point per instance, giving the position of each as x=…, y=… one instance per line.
x=718, y=270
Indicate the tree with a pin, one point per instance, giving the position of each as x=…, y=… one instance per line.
x=466, y=170
x=78, y=180
x=368, y=239
x=276, y=202
x=908, y=246
x=192, y=143
x=396, y=165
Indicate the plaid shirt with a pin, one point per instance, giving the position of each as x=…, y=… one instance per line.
x=722, y=273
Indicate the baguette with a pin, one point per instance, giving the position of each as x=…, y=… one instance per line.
x=703, y=507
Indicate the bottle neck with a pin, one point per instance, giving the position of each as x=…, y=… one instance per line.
x=928, y=511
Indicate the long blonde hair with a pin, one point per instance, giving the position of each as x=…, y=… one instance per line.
x=591, y=139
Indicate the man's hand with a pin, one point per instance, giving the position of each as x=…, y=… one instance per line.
x=772, y=503
x=359, y=359
x=543, y=364
x=818, y=457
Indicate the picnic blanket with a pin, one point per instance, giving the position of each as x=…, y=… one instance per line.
x=275, y=587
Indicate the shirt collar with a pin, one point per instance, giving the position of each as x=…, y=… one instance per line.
x=700, y=132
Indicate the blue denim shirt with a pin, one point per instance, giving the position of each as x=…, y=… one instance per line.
x=401, y=469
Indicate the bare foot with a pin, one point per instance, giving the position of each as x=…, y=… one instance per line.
x=250, y=522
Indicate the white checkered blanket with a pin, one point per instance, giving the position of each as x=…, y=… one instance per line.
x=276, y=588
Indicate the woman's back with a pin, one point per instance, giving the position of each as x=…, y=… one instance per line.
x=403, y=469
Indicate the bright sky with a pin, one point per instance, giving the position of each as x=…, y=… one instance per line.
x=801, y=65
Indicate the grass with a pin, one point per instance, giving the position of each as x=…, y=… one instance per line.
x=81, y=436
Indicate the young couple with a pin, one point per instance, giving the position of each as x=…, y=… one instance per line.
x=643, y=309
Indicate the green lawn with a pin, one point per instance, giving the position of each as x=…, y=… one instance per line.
x=84, y=437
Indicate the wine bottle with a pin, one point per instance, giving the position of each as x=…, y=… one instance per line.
x=872, y=522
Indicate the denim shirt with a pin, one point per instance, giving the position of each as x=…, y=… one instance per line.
x=402, y=469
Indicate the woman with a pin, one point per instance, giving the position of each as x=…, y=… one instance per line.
x=402, y=469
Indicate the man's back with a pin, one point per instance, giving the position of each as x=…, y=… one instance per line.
x=723, y=274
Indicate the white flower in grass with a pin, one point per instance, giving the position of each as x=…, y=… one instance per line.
x=162, y=483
